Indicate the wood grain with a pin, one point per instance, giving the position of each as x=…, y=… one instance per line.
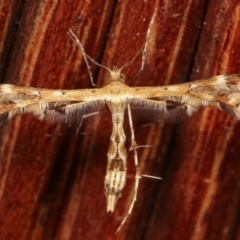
x=52, y=187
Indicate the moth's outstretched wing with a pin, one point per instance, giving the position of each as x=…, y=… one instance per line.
x=67, y=106
x=174, y=101
x=156, y=110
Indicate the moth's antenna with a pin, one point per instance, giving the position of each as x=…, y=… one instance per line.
x=143, y=49
x=127, y=64
x=86, y=56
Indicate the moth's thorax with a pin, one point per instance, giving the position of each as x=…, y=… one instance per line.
x=116, y=92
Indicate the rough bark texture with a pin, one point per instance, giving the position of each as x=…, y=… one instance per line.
x=51, y=188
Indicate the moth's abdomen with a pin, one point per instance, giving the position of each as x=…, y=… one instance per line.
x=114, y=182
x=116, y=169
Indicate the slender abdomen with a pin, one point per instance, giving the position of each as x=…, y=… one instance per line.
x=116, y=168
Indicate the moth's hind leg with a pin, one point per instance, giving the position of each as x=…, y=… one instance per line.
x=133, y=147
x=138, y=175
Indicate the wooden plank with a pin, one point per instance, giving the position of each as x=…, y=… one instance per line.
x=47, y=188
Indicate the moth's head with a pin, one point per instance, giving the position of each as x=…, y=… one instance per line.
x=115, y=75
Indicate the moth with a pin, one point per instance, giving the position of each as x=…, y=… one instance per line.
x=70, y=106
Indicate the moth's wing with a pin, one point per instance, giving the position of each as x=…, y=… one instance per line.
x=73, y=112
x=68, y=106
x=156, y=110
x=175, y=101
x=10, y=98
x=221, y=91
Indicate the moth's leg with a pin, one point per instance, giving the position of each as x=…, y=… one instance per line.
x=74, y=38
x=83, y=118
x=133, y=147
x=85, y=56
x=78, y=128
x=144, y=48
x=138, y=175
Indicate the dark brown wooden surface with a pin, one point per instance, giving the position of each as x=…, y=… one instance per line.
x=52, y=187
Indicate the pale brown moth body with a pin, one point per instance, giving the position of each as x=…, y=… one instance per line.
x=71, y=106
